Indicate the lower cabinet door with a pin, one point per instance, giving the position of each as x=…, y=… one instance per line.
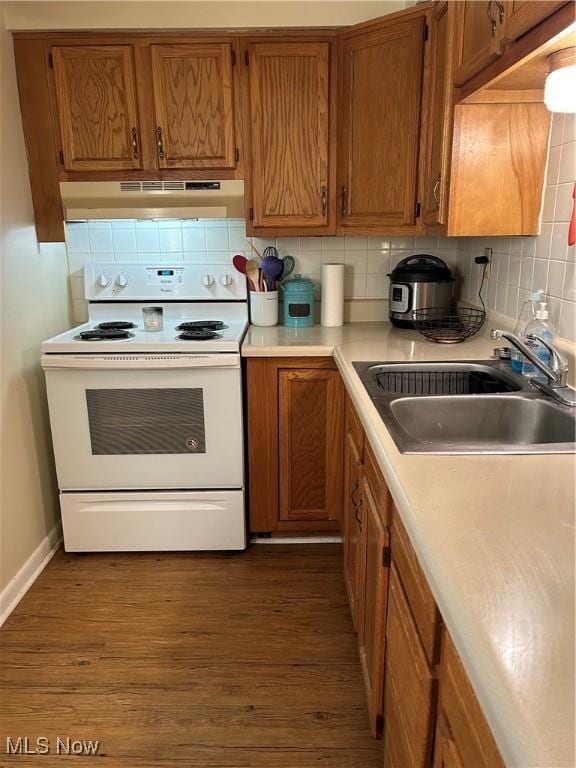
x=353, y=522
x=372, y=634
x=410, y=688
x=310, y=427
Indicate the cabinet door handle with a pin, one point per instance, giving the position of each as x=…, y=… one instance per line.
x=436, y=191
x=134, y=143
x=492, y=20
x=344, y=201
x=358, y=519
x=160, y=143
x=353, y=492
x=324, y=199
x=501, y=14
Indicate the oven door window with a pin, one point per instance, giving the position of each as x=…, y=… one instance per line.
x=146, y=421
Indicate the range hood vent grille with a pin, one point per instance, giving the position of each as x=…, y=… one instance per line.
x=153, y=186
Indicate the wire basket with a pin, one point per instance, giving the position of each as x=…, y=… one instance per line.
x=448, y=326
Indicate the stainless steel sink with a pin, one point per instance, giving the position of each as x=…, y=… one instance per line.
x=427, y=410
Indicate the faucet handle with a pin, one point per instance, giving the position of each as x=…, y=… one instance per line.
x=495, y=334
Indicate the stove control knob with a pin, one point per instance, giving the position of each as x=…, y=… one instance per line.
x=226, y=279
x=207, y=280
x=103, y=280
x=121, y=281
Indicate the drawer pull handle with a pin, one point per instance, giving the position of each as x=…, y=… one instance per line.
x=160, y=143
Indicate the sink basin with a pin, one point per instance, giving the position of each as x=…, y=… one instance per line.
x=450, y=378
x=462, y=407
x=491, y=423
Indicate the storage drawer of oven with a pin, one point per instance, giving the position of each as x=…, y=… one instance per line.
x=153, y=521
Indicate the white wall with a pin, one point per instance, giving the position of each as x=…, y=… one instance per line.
x=154, y=14
x=523, y=264
x=33, y=306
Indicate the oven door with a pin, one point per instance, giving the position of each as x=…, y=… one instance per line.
x=146, y=420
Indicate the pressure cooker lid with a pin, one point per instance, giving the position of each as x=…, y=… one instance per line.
x=422, y=268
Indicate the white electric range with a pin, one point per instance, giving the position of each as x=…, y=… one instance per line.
x=147, y=425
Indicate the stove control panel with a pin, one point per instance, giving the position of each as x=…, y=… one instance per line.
x=180, y=281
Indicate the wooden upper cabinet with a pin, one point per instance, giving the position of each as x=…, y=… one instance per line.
x=310, y=432
x=290, y=131
x=520, y=16
x=194, y=106
x=97, y=107
x=480, y=23
x=379, y=124
x=437, y=160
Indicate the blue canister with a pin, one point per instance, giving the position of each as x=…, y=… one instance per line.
x=298, y=302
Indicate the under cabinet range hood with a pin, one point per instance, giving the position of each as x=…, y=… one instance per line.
x=152, y=199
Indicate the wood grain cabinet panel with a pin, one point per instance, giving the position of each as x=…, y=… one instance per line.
x=311, y=406
x=437, y=160
x=97, y=108
x=374, y=581
x=520, y=16
x=479, y=28
x=463, y=736
x=353, y=516
x=409, y=706
x=290, y=133
x=379, y=125
x=194, y=105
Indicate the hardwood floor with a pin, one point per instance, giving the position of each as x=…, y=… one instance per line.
x=211, y=661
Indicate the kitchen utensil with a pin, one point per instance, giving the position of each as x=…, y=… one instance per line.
x=419, y=282
x=448, y=327
x=256, y=251
x=253, y=274
x=270, y=251
x=272, y=269
x=239, y=263
x=288, y=266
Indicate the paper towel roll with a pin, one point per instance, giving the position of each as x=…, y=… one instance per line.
x=332, y=312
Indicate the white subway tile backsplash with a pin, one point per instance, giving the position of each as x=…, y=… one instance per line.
x=556, y=274
x=378, y=262
x=333, y=257
x=147, y=239
x=557, y=130
x=171, y=240
x=567, y=163
x=567, y=324
x=540, y=277
x=100, y=239
x=124, y=240
x=217, y=239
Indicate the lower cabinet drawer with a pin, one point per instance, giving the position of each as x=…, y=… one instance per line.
x=410, y=688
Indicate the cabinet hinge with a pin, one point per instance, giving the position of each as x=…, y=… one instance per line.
x=251, y=214
x=417, y=210
x=51, y=61
x=386, y=557
x=425, y=32
x=233, y=57
x=246, y=58
x=237, y=154
x=379, y=723
x=61, y=156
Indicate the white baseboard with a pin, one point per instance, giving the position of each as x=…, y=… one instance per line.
x=15, y=590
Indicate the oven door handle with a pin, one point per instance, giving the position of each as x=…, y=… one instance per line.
x=136, y=362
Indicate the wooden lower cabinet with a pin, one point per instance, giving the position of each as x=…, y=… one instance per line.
x=419, y=698
x=410, y=687
x=372, y=639
x=463, y=737
x=353, y=514
x=295, y=444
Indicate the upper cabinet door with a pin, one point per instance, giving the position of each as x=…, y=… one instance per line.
x=97, y=110
x=380, y=104
x=520, y=16
x=480, y=27
x=437, y=161
x=194, y=105
x=289, y=123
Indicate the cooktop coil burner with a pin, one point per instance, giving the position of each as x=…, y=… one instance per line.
x=198, y=334
x=104, y=334
x=116, y=325
x=205, y=325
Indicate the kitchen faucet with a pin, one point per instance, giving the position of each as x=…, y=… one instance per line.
x=556, y=373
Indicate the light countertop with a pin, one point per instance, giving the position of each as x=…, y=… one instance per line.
x=495, y=537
